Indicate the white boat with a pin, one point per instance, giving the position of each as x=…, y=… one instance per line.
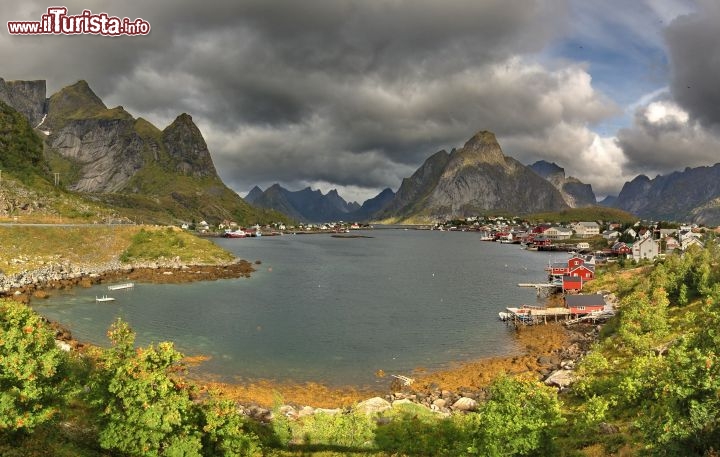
x=104, y=298
x=127, y=285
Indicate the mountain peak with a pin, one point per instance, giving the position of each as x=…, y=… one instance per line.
x=186, y=145
x=74, y=102
x=482, y=147
x=254, y=194
x=546, y=169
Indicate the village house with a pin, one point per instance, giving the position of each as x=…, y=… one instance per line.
x=621, y=249
x=671, y=243
x=646, y=248
x=630, y=232
x=571, y=283
x=584, y=304
x=586, y=229
x=691, y=241
x=611, y=234
x=667, y=232
x=558, y=233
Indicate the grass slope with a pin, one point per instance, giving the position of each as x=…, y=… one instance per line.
x=28, y=248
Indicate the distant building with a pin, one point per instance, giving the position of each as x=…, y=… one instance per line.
x=671, y=243
x=586, y=229
x=558, y=233
x=584, y=304
x=646, y=248
x=611, y=234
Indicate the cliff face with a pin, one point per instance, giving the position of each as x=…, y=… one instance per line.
x=186, y=146
x=27, y=97
x=574, y=192
x=415, y=190
x=108, y=152
x=475, y=178
x=691, y=195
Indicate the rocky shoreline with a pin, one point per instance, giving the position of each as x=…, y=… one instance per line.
x=550, y=353
x=58, y=276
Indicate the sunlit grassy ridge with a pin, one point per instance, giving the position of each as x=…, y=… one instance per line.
x=30, y=247
x=169, y=243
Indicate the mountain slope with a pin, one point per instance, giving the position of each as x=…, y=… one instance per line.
x=473, y=179
x=146, y=173
x=575, y=193
x=691, y=195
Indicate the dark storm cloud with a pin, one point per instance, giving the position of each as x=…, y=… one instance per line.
x=664, y=139
x=695, y=61
x=682, y=130
x=351, y=93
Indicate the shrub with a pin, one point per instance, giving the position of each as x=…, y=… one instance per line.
x=31, y=369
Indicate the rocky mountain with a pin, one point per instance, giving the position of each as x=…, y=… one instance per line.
x=27, y=97
x=373, y=206
x=305, y=205
x=144, y=172
x=575, y=193
x=608, y=201
x=691, y=195
x=473, y=179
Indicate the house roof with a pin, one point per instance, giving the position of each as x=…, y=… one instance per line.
x=588, y=224
x=584, y=300
x=572, y=278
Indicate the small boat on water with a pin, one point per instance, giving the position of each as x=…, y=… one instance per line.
x=234, y=234
x=103, y=299
x=127, y=285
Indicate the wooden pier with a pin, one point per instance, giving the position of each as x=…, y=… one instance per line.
x=543, y=288
x=533, y=315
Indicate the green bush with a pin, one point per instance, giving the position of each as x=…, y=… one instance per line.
x=31, y=369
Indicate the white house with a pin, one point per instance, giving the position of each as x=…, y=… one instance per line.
x=646, y=248
x=586, y=229
x=691, y=241
x=558, y=233
x=611, y=234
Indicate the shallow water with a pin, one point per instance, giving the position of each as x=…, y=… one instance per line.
x=328, y=309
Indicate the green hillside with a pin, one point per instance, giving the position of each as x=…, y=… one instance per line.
x=589, y=213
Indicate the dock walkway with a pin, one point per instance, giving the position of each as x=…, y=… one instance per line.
x=532, y=315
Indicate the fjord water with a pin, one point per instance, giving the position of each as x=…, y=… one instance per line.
x=327, y=309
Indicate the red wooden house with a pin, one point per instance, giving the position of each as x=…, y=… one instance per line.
x=621, y=248
x=572, y=283
x=575, y=262
x=584, y=304
x=586, y=272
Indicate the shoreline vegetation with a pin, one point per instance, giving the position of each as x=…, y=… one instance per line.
x=644, y=382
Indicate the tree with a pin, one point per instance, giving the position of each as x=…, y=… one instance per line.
x=143, y=409
x=225, y=430
x=683, y=418
x=519, y=419
x=31, y=369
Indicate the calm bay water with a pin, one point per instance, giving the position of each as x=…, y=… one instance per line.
x=328, y=309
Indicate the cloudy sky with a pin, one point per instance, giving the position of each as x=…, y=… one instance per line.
x=356, y=94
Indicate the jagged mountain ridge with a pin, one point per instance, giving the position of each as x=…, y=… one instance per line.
x=575, y=193
x=305, y=205
x=157, y=175
x=691, y=195
x=473, y=179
